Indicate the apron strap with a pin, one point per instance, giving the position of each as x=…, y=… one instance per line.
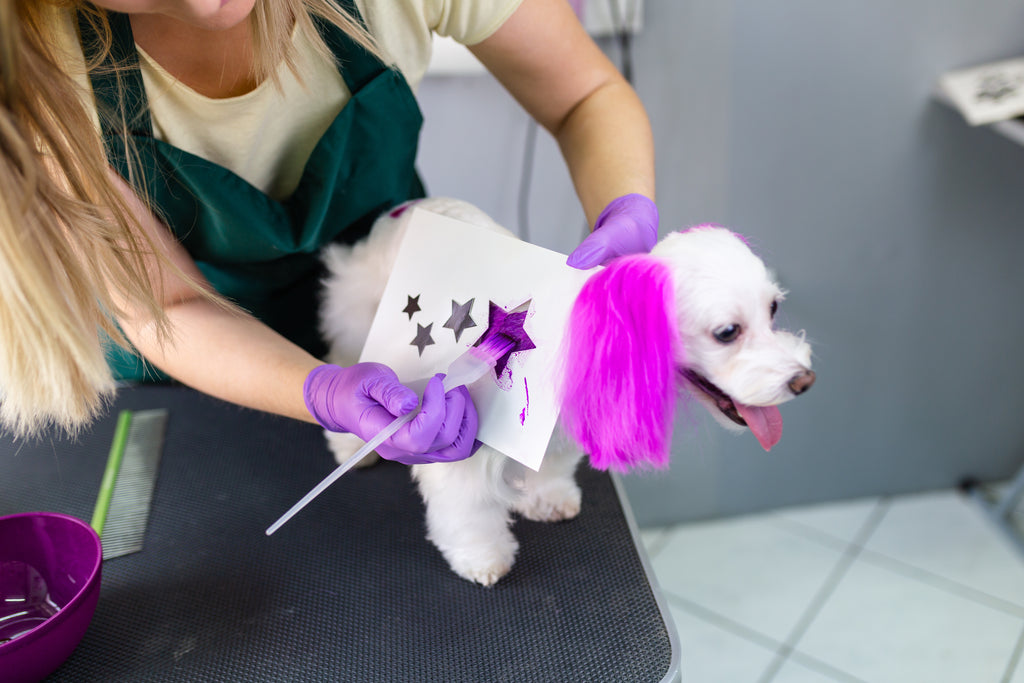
x=117, y=81
x=357, y=66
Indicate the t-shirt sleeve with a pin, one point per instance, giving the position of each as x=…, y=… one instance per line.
x=468, y=21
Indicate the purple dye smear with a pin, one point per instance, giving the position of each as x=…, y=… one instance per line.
x=505, y=381
x=510, y=325
x=400, y=209
x=526, y=409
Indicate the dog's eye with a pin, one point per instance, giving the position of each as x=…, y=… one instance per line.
x=774, y=309
x=727, y=334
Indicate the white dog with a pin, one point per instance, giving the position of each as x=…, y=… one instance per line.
x=695, y=316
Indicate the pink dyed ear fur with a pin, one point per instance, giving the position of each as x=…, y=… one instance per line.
x=622, y=347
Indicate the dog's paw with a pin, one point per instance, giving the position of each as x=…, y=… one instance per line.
x=551, y=501
x=484, y=564
x=344, y=445
x=485, y=576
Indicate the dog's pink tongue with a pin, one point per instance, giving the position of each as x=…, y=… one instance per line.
x=766, y=423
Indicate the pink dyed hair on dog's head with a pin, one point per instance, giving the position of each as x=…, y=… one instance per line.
x=620, y=364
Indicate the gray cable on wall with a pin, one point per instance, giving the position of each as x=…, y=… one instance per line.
x=625, y=43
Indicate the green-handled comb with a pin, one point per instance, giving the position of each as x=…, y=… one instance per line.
x=126, y=491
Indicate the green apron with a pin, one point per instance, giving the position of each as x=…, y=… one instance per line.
x=259, y=252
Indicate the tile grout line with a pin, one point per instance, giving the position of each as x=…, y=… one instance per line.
x=941, y=583
x=823, y=667
x=906, y=569
x=818, y=536
x=723, y=622
x=750, y=635
x=842, y=566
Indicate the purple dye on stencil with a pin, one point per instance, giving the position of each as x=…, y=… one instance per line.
x=526, y=409
x=502, y=322
x=504, y=381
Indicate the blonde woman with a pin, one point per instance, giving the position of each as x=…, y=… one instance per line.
x=159, y=158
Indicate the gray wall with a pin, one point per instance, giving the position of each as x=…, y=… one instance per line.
x=898, y=230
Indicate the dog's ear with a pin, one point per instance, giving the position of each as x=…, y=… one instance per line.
x=619, y=365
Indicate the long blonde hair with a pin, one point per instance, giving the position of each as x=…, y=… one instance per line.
x=70, y=246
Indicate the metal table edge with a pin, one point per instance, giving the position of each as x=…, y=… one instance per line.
x=674, y=673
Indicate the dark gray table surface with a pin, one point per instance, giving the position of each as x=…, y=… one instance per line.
x=349, y=589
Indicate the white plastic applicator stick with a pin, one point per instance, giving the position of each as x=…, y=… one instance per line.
x=341, y=469
x=466, y=369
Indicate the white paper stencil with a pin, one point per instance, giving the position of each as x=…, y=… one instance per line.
x=988, y=93
x=446, y=274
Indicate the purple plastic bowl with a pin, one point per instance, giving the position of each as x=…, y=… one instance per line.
x=66, y=554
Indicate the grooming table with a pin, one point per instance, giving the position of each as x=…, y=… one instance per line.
x=348, y=590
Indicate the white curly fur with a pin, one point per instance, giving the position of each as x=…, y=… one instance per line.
x=469, y=504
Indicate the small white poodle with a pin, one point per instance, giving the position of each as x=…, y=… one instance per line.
x=693, y=317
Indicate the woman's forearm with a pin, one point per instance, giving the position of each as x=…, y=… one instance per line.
x=607, y=144
x=203, y=341
x=228, y=354
x=551, y=66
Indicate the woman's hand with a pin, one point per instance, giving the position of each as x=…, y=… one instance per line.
x=628, y=225
x=365, y=398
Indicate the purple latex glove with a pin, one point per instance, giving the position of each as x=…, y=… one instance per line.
x=628, y=225
x=365, y=398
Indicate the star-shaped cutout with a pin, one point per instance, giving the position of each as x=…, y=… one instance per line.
x=422, y=339
x=413, y=306
x=511, y=325
x=460, y=320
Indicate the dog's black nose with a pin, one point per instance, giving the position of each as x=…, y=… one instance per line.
x=801, y=382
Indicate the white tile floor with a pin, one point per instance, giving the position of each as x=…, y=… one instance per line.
x=911, y=589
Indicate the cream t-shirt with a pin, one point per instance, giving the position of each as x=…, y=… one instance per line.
x=266, y=135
